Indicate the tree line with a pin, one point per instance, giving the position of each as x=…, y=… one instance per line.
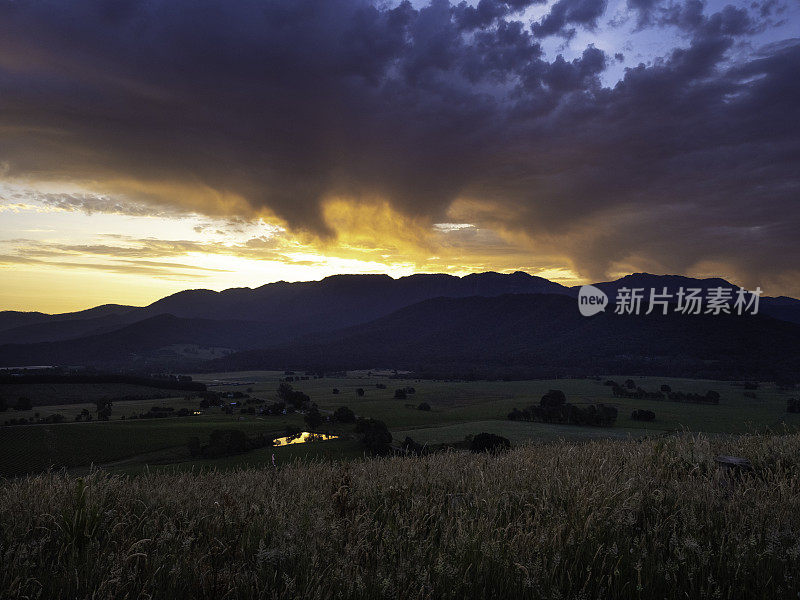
x=554, y=408
x=632, y=391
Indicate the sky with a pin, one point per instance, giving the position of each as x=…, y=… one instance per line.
x=150, y=147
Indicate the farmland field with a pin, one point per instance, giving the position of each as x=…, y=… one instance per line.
x=43, y=394
x=458, y=409
x=619, y=519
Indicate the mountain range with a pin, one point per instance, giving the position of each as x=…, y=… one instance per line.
x=486, y=324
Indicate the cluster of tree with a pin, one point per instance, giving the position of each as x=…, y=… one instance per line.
x=489, y=442
x=643, y=415
x=666, y=393
x=160, y=412
x=36, y=420
x=409, y=446
x=359, y=391
x=710, y=397
x=22, y=403
x=402, y=393
x=103, y=408
x=554, y=408
x=629, y=384
x=636, y=393
x=291, y=396
x=424, y=406
x=313, y=418
x=344, y=415
x=793, y=405
x=278, y=408
x=84, y=415
x=375, y=435
x=226, y=442
x=208, y=399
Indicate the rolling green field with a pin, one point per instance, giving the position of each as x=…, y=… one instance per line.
x=125, y=408
x=32, y=448
x=45, y=394
x=518, y=432
x=458, y=409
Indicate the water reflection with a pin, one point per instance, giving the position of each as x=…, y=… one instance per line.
x=302, y=438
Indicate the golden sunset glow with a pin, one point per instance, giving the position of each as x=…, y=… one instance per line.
x=129, y=171
x=303, y=438
x=80, y=250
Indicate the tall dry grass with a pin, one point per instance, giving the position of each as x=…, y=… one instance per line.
x=655, y=519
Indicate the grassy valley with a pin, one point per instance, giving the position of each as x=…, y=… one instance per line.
x=457, y=409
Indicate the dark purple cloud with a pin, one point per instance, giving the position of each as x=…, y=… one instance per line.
x=689, y=159
x=570, y=12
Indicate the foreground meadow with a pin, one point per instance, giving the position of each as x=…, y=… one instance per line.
x=604, y=519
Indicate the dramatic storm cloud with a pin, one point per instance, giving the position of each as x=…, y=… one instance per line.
x=300, y=111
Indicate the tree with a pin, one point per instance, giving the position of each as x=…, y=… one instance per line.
x=517, y=415
x=3, y=405
x=23, y=403
x=400, y=394
x=409, y=446
x=212, y=398
x=489, y=442
x=643, y=415
x=103, y=408
x=344, y=415
x=553, y=399
x=424, y=406
x=194, y=446
x=375, y=435
x=607, y=415
x=629, y=383
x=313, y=418
x=360, y=392
x=665, y=388
x=335, y=391
x=285, y=391
x=226, y=441
x=275, y=408
x=291, y=396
